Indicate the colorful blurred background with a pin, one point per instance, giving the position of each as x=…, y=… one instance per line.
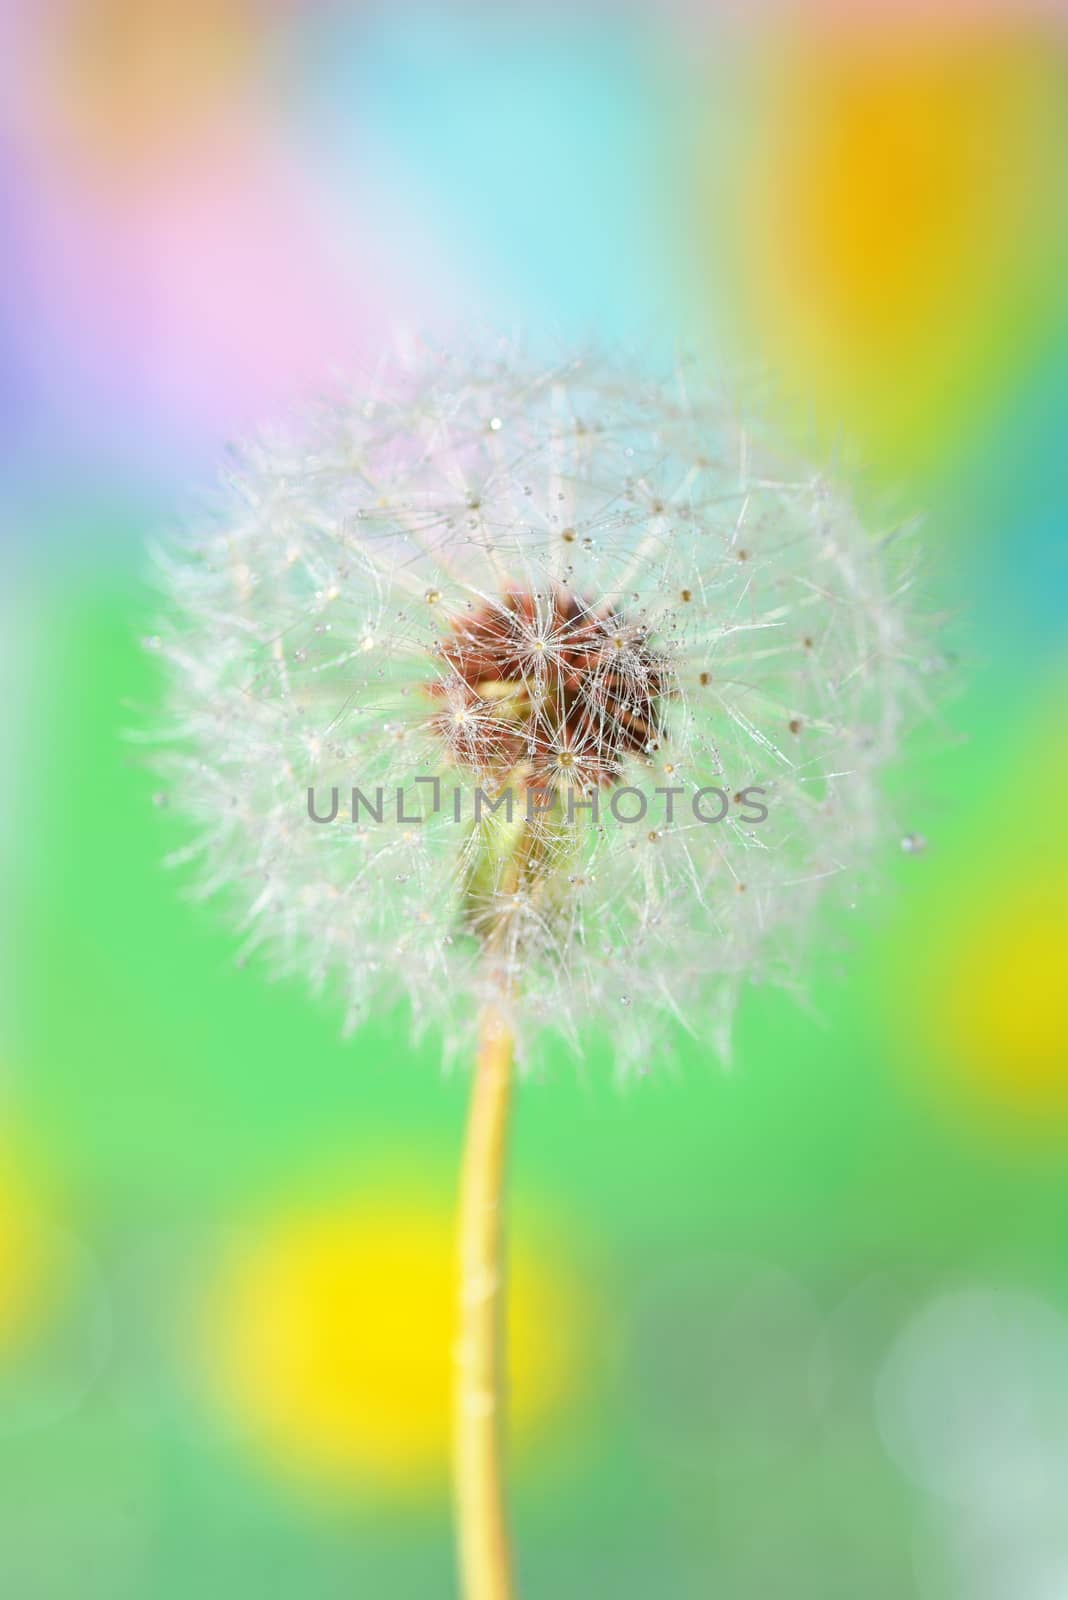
x=799, y=1329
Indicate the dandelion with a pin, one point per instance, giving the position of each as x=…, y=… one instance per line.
x=594, y=690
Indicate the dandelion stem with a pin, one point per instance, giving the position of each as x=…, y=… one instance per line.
x=479, y=1386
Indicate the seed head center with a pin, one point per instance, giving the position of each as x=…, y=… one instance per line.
x=550, y=684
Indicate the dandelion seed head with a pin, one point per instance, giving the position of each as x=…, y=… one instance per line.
x=564, y=582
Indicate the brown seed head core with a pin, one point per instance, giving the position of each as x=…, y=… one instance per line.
x=549, y=686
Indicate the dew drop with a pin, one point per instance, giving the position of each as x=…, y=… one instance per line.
x=914, y=844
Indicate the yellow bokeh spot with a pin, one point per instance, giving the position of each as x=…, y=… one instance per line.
x=902, y=221
x=22, y=1254
x=331, y=1338
x=987, y=957
x=1002, y=1007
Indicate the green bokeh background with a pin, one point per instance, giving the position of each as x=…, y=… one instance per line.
x=752, y=1243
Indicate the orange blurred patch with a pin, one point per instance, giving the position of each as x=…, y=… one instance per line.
x=902, y=222
x=127, y=77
